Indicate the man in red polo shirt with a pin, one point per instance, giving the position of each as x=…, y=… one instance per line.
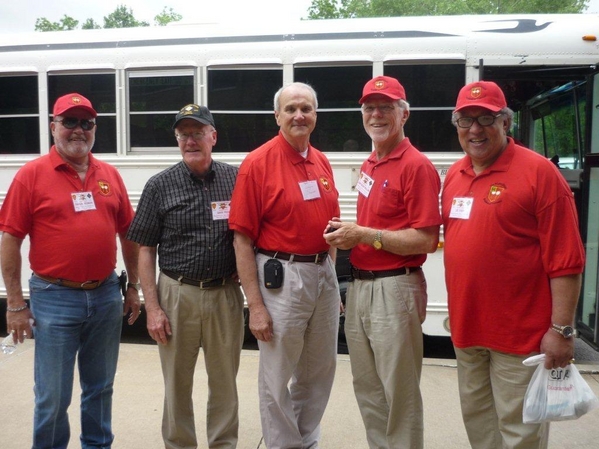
x=72, y=206
x=281, y=204
x=398, y=223
x=513, y=263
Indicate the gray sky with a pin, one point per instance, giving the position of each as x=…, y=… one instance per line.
x=20, y=15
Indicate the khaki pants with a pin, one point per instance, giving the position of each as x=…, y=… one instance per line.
x=210, y=319
x=297, y=367
x=384, y=336
x=492, y=387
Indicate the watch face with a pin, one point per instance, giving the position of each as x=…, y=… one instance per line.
x=377, y=244
x=567, y=332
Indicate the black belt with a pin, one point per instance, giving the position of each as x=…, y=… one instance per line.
x=211, y=283
x=86, y=285
x=315, y=258
x=369, y=275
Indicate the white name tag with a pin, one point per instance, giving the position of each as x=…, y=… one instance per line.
x=309, y=190
x=220, y=210
x=461, y=208
x=365, y=184
x=83, y=201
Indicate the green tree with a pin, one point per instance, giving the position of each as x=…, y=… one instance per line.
x=166, y=17
x=329, y=9
x=66, y=23
x=90, y=24
x=122, y=18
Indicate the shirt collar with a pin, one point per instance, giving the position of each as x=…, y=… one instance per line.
x=57, y=160
x=502, y=164
x=396, y=153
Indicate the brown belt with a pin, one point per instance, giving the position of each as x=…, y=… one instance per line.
x=315, y=258
x=202, y=284
x=87, y=285
x=369, y=275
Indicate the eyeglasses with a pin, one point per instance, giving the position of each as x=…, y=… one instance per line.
x=198, y=135
x=482, y=120
x=72, y=123
x=383, y=109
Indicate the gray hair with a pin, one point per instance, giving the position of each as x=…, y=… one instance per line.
x=304, y=85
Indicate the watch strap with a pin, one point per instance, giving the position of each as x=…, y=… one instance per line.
x=135, y=285
x=566, y=331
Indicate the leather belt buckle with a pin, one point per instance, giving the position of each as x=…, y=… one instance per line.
x=212, y=283
x=218, y=282
x=89, y=285
x=320, y=258
x=363, y=275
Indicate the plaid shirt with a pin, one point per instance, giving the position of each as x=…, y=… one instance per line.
x=175, y=215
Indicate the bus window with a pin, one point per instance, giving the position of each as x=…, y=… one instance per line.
x=101, y=91
x=339, y=89
x=19, y=115
x=432, y=89
x=241, y=101
x=154, y=99
x=557, y=122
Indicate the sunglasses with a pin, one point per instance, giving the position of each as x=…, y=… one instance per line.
x=72, y=123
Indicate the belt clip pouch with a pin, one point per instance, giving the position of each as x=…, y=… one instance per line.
x=273, y=273
x=123, y=283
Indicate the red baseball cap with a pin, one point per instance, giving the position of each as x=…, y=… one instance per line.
x=72, y=101
x=383, y=85
x=484, y=94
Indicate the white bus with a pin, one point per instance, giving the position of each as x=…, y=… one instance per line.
x=139, y=78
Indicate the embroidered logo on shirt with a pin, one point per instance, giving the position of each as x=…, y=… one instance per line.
x=326, y=185
x=494, y=195
x=104, y=188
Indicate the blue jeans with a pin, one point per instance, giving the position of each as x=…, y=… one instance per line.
x=75, y=324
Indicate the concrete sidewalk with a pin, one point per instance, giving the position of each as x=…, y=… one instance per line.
x=139, y=393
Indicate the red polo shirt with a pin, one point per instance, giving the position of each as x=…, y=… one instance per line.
x=65, y=243
x=405, y=194
x=268, y=204
x=522, y=230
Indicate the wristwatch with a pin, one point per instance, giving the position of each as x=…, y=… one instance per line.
x=136, y=286
x=565, y=331
x=378, y=240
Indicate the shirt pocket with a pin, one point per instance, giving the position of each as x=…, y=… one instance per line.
x=388, y=203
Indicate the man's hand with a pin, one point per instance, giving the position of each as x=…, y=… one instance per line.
x=158, y=325
x=132, y=305
x=261, y=323
x=559, y=351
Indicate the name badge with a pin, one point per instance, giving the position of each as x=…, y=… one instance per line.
x=365, y=184
x=461, y=208
x=220, y=210
x=309, y=190
x=83, y=201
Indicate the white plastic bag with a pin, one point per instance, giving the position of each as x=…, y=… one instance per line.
x=556, y=394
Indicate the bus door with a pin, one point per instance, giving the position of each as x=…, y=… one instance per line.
x=563, y=125
x=588, y=306
x=587, y=316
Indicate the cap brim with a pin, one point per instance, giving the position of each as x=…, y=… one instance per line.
x=490, y=107
x=391, y=97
